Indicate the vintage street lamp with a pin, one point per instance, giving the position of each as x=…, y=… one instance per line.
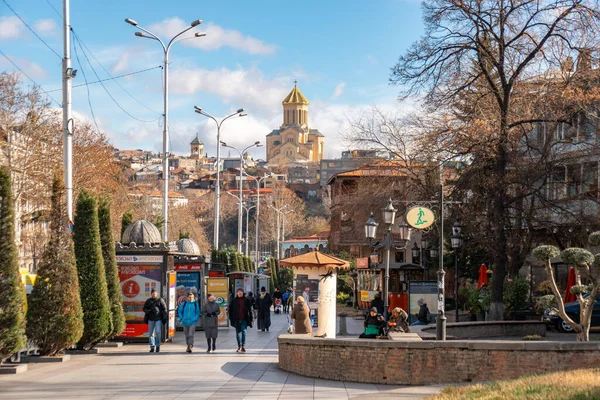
x=457, y=242
x=371, y=227
x=416, y=252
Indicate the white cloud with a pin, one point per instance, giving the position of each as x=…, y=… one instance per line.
x=372, y=60
x=11, y=28
x=32, y=69
x=122, y=64
x=216, y=37
x=339, y=90
x=45, y=26
x=245, y=88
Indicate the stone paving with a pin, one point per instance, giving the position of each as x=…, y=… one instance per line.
x=130, y=372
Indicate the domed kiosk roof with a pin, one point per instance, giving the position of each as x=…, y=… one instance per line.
x=188, y=246
x=141, y=232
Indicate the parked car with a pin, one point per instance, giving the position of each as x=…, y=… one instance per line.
x=552, y=318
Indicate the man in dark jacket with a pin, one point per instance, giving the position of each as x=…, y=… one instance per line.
x=263, y=305
x=155, y=315
x=240, y=317
x=378, y=303
x=423, y=316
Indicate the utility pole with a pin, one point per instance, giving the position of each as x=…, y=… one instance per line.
x=67, y=75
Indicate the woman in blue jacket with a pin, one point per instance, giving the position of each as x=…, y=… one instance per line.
x=189, y=312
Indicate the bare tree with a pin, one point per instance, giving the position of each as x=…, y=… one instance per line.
x=489, y=72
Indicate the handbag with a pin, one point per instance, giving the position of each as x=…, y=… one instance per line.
x=372, y=330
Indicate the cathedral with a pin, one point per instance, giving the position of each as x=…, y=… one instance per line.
x=294, y=141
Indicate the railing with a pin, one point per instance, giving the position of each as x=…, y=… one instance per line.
x=29, y=349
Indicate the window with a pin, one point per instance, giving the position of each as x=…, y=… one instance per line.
x=288, y=153
x=290, y=140
x=277, y=143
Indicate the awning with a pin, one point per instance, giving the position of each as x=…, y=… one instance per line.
x=314, y=259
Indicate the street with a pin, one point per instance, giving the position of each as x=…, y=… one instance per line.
x=130, y=372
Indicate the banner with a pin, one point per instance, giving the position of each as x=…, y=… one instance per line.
x=137, y=282
x=426, y=290
x=187, y=282
x=362, y=263
x=219, y=287
x=171, y=304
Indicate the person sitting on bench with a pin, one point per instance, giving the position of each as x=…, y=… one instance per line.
x=374, y=325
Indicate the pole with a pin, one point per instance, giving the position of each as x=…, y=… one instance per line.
x=282, y=233
x=217, y=189
x=441, y=318
x=278, y=258
x=165, y=234
x=456, y=285
x=257, y=255
x=66, y=106
x=240, y=216
x=388, y=245
x=247, y=223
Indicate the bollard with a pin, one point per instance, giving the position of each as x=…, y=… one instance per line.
x=343, y=328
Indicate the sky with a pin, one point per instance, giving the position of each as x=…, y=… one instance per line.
x=340, y=53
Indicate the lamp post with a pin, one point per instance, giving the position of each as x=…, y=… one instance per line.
x=149, y=35
x=257, y=180
x=457, y=242
x=416, y=252
x=389, y=216
x=255, y=144
x=283, y=228
x=247, y=209
x=240, y=112
x=424, y=246
x=278, y=210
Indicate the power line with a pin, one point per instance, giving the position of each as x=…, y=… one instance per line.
x=55, y=10
x=31, y=29
x=105, y=88
x=28, y=77
x=87, y=87
x=108, y=73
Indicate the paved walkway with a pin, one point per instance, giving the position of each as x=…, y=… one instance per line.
x=131, y=372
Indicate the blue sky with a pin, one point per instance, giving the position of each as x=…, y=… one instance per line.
x=339, y=51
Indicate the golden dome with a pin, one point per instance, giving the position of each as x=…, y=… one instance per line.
x=295, y=97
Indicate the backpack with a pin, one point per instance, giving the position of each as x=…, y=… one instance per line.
x=428, y=317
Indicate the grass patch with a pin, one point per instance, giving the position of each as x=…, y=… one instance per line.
x=532, y=337
x=573, y=385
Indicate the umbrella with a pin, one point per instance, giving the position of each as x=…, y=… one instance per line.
x=570, y=297
x=483, y=277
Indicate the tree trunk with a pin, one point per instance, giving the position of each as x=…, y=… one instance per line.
x=584, y=335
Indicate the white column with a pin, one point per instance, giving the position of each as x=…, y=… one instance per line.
x=327, y=317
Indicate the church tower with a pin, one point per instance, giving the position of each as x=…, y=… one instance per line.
x=294, y=141
x=295, y=108
x=196, y=148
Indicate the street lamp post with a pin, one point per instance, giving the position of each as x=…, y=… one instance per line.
x=149, y=35
x=283, y=229
x=278, y=210
x=389, y=215
x=257, y=180
x=240, y=112
x=457, y=242
x=255, y=144
x=247, y=209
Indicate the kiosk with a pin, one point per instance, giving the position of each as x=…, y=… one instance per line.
x=191, y=269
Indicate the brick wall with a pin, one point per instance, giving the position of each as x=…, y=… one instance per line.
x=429, y=362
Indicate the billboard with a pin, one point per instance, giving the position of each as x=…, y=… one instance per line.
x=219, y=287
x=137, y=282
x=426, y=290
x=187, y=282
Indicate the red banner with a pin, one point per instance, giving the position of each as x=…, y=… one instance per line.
x=188, y=267
x=362, y=263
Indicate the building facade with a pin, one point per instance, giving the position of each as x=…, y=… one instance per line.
x=295, y=140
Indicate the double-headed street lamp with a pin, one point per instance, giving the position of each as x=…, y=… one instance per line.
x=247, y=208
x=240, y=112
x=255, y=144
x=457, y=242
x=279, y=211
x=149, y=35
x=389, y=216
x=257, y=180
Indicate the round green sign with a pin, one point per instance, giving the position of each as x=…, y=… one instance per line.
x=420, y=217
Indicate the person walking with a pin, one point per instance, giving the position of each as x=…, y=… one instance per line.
x=155, y=315
x=240, y=317
x=263, y=304
x=252, y=304
x=301, y=317
x=188, y=313
x=211, y=322
x=284, y=299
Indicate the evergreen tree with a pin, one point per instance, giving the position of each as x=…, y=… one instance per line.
x=12, y=316
x=126, y=220
x=54, y=316
x=240, y=261
x=97, y=320
x=234, y=262
x=214, y=257
x=110, y=268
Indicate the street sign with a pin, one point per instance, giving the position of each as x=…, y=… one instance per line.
x=420, y=217
x=139, y=259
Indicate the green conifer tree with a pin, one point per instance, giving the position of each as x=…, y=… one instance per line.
x=126, y=220
x=93, y=291
x=12, y=315
x=54, y=315
x=110, y=268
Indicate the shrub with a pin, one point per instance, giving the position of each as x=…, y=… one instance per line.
x=12, y=316
x=342, y=297
x=532, y=337
x=97, y=320
x=54, y=316
x=110, y=268
x=515, y=296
